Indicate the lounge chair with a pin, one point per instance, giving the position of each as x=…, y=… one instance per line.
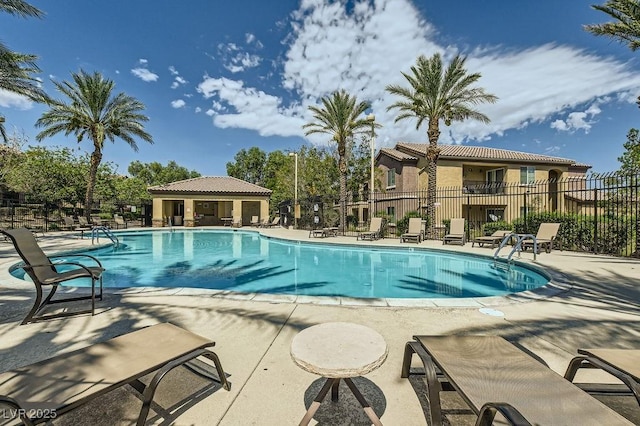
x=414, y=232
x=374, y=232
x=236, y=223
x=493, y=239
x=119, y=221
x=492, y=375
x=620, y=363
x=83, y=221
x=55, y=386
x=456, y=233
x=254, y=221
x=70, y=224
x=274, y=222
x=46, y=274
x=545, y=238
x=324, y=232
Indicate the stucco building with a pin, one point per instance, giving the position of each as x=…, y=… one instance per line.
x=209, y=200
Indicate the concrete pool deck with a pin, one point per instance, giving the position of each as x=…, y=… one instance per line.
x=596, y=305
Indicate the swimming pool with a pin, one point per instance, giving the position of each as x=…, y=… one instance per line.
x=246, y=262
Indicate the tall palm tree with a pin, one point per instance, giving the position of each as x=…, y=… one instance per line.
x=340, y=116
x=626, y=25
x=17, y=69
x=435, y=94
x=93, y=112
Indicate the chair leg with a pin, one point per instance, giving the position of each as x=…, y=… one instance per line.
x=430, y=378
x=150, y=389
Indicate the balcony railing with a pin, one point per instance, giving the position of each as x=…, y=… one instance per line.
x=482, y=187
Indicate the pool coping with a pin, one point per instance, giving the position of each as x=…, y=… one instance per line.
x=556, y=285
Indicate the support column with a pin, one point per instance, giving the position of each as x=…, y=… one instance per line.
x=157, y=221
x=189, y=208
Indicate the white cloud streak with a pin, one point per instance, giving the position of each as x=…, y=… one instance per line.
x=178, y=103
x=144, y=74
x=366, y=48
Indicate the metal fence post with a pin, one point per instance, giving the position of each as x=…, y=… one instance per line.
x=595, y=220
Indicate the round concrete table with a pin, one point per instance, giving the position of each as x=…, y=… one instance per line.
x=338, y=351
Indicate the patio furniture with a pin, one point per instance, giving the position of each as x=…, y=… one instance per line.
x=70, y=224
x=236, y=223
x=324, y=232
x=338, y=351
x=456, y=233
x=546, y=236
x=46, y=274
x=374, y=232
x=274, y=222
x=52, y=387
x=414, y=231
x=119, y=221
x=226, y=221
x=254, y=221
x=493, y=239
x=623, y=364
x=492, y=375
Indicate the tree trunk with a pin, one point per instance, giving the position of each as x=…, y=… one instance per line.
x=432, y=154
x=96, y=158
x=342, y=166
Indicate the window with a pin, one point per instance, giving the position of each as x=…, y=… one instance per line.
x=495, y=215
x=527, y=175
x=391, y=178
x=391, y=212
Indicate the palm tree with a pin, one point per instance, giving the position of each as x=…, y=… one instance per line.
x=435, y=94
x=94, y=112
x=341, y=117
x=626, y=25
x=16, y=69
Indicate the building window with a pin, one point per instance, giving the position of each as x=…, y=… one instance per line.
x=391, y=178
x=527, y=175
x=391, y=212
x=495, y=215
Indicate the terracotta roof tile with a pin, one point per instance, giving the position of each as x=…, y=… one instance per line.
x=484, y=153
x=397, y=155
x=212, y=184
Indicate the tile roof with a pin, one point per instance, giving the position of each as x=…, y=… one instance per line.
x=212, y=184
x=465, y=152
x=397, y=155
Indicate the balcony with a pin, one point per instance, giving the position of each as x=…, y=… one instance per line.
x=482, y=187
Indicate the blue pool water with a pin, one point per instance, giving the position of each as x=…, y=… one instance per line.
x=243, y=261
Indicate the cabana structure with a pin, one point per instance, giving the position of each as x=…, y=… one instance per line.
x=209, y=200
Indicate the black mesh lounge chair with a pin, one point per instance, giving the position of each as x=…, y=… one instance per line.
x=492, y=375
x=46, y=275
x=55, y=386
x=374, y=232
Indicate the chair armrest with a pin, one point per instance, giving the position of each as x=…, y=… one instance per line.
x=80, y=265
x=489, y=410
x=77, y=255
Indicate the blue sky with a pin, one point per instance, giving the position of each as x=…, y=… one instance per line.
x=217, y=77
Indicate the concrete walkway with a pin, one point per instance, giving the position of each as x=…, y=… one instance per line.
x=595, y=304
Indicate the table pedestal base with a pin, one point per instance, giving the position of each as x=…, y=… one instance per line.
x=333, y=384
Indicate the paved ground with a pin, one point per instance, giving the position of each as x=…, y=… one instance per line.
x=596, y=303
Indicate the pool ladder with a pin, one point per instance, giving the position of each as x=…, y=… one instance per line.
x=517, y=247
x=95, y=234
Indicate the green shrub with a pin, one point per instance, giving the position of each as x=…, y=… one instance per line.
x=491, y=227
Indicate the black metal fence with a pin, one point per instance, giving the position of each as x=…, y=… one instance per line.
x=599, y=214
x=50, y=216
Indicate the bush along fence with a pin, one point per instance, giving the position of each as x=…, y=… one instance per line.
x=599, y=213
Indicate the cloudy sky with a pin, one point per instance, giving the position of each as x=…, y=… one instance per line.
x=217, y=77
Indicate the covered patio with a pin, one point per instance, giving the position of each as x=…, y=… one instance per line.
x=209, y=201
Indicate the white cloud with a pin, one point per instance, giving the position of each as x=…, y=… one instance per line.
x=144, y=74
x=173, y=71
x=365, y=48
x=178, y=103
x=198, y=109
x=254, y=109
x=143, y=62
x=12, y=100
x=177, y=82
